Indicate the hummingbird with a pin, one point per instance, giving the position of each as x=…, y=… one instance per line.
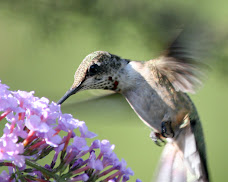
x=157, y=91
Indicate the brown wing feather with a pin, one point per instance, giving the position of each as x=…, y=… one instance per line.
x=182, y=64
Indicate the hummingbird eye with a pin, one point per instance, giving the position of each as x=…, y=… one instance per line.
x=93, y=69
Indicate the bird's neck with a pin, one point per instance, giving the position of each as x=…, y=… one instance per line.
x=132, y=75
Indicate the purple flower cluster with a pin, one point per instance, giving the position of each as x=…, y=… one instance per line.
x=32, y=132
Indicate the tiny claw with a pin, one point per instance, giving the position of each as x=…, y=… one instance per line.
x=167, y=130
x=156, y=137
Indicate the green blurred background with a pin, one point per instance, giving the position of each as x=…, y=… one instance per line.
x=42, y=42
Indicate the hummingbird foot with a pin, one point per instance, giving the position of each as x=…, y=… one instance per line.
x=167, y=130
x=156, y=137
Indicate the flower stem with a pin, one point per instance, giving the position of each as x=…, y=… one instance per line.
x=6, y=164
x=80, y=170
x=40, y=168
x=99, y=156
x=3, y=115
x=37, y=145
x=112, y=176
x=29, y=138
x=106, y=172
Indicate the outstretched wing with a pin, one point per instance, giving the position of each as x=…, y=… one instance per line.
x=182, y=62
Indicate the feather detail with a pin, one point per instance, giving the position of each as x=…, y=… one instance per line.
x=182, y=159
x=184, y=76
x=182, y=62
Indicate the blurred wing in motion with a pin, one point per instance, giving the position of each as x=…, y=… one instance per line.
x=182, y=62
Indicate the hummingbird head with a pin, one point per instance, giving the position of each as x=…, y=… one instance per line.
x=98, y=70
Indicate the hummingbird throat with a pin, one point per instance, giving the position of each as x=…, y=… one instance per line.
x=114, y=85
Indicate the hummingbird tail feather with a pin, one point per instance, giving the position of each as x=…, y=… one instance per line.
x=168, y=170
x=184, y=158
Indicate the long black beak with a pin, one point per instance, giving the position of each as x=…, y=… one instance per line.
x=70, y=92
